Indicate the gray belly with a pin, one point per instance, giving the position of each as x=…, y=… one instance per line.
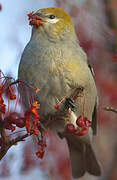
x=54, y=84
x=52, y=88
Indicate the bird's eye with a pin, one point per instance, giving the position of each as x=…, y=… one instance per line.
x=52, y=16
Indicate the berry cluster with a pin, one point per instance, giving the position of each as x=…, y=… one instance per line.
x=11, y=119
x=32, y=116
x=35, y=20
x=83, y=124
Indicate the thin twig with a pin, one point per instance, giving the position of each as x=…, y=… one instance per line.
x=110, y=109
x=17, y=139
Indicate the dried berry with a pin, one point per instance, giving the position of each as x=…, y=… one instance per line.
x=35, y=131
x=8, y=126
x=20, y=122
x=56, y=107
x=42, y=143
x=2, y=108
x=40, y=153
x=81, y=121
x=81, y=132
x=12, y=118
x=70, y=128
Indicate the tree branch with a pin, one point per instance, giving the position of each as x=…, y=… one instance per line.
x=7, y=144
x=110, y=109
x=2, y=131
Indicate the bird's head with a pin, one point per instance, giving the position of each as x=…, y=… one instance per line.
x=54, y=22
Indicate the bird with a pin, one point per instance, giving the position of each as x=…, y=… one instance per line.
x=54, y=61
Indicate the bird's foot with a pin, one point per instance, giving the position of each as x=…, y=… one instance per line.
x=69, y=103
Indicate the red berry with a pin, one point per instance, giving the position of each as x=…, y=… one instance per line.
x=70, y=128
x=40, y=153
x=39, y=22
x=56, y=107
x=12, y=96
x=81, y=132
x=42, y=143
x=30, y=14
x=80, y=121
x=2, y=108
x=20, y=122
x=37, y=17
x=1, y=100
x=8, y=126
x=13, y=117
x=35, y=131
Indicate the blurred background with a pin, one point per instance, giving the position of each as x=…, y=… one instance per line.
x=96, y=27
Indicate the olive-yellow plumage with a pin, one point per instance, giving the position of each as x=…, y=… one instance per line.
x=54, y=61
x=63, y=17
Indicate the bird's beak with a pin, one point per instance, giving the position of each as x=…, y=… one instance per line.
x=34, y=19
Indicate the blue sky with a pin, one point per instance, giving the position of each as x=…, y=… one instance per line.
x=15, y=31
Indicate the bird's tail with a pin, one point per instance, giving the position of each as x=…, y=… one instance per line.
x=83, y=159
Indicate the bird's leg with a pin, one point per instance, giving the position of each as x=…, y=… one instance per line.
x=69, y=103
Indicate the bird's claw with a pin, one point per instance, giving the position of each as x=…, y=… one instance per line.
x=69, y=103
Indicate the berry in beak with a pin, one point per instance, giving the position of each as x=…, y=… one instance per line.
x=34, y=19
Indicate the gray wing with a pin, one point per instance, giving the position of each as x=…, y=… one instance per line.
x=94, y=115
x=91, y=69
x=94, y=120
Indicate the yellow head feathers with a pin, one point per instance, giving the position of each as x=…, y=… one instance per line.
x=57, y=12
x=55, y=22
